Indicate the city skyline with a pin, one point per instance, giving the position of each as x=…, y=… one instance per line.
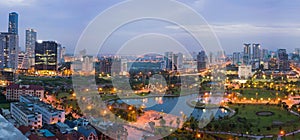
x=276, y=26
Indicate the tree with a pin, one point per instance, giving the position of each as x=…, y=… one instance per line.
x=178, y=122
x=162, y=122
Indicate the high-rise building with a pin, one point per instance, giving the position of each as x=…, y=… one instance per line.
x=13, y=23
x=256, y=52
x=201, y=61
x=265, y=54
x=22, y=60
x=31, y=37
x=283, y=59
x=169, y=60
x=46, y=56
x=59, y=53
x=179, y=61
x=9, y=51
x=247, y=54
x=88, y=64
x=236, y=58
x=297, y=51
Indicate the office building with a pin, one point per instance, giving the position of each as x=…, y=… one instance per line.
x=59, y=53
x=23, y=60
x=283, y=60
x=201, y=61
x=169, y=60
x=265, y=55
x=9, y=51
x=14, y=91
x=13, y=23
x=30, y=39
x=297, y=51
x=88, y=64
x=46, y=57
x=256, y=52
x=236, y=58
x=109, y=65
x=247, y=54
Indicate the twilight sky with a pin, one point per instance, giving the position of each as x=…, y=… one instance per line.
x=272, y=23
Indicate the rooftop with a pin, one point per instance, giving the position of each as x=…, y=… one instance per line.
x=25, y=87
x=48, y=107
x=25, y=108
x=36, y=101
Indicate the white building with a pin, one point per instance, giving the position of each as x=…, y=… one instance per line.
x=50, y=115
x=245, y=72
x=14, y=91
x=25, y=115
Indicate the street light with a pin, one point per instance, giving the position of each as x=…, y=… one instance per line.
x=282, y=132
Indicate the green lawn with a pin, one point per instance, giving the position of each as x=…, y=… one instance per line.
x=246, y=120
x=63, y=94
x=261, y=93
x=292, y=137
x=5, y=105
x=3, y=102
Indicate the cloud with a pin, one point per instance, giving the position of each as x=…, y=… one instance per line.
x=13, y=3
x=199, y=3
x=244, y=28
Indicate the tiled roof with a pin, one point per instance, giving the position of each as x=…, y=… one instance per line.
x=87, y=130
x=24, y=129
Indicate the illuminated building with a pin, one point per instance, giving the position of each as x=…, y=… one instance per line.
x=49, y=114
x=25, y=115
x=46, y=57
x=13, y=23
x=245, y=72
x=31, y=36
x=8, y=51
x=201, y=61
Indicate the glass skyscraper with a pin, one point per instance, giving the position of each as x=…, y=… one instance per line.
x=46, y=55
x=31, y=37
x=13, y=23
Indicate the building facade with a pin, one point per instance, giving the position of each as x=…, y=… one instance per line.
x=256, y=52
x=245, y=72
x=25, y=115
x=49, y=114
x=13, y=23
x=9, y=51
x=14, y=91
x=283, y=60
x=247, y=54
x=201, y=61
x=31, y=38
x=46, y=57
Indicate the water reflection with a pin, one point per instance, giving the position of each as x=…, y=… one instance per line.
x=167, y=105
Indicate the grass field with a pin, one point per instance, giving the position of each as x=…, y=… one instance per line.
x=3, y=102
x=246, y=120
x=261, y=93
